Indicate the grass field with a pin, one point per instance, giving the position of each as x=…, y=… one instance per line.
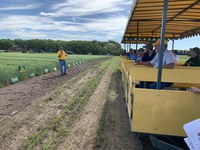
x=183, y=58
x=34, y=63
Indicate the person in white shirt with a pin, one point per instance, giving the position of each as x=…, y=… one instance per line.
x=175, y=52
x=168, y=62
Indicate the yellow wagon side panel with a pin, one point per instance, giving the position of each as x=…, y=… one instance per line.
x=164, y=111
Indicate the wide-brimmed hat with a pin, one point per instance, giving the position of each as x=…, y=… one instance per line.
x=158, y=42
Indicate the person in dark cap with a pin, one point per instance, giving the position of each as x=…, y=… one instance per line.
x=149, y=53
x=194, y=59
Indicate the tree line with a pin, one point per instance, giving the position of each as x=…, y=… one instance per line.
x=77, y=47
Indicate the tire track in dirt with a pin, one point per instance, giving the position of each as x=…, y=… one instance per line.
x=114, y=132
x=82, y=135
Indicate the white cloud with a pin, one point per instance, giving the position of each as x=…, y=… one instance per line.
x=88, y=7
x=47, y=14
x=24, y=34
x=30, y=6
x=38, y=27
x=48, y=25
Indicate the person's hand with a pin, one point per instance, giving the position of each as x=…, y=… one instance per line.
x=137, y=63
x=194, y=90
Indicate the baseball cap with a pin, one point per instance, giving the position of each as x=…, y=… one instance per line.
x=158, y=42
x=140, y=50
x=196, y=50
x=149, y=45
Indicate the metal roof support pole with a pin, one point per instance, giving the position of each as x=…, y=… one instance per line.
x=137, y=35
x=164, y=17
x=130, y=43
x=173, y=42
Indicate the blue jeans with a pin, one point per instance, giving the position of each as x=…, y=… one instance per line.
x=154, y=85
x=162, y=85
x=63, y=65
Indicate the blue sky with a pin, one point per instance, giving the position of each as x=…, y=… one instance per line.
x=69, y=20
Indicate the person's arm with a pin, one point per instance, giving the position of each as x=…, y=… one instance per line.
x=169, y=66
x=60, y=54
x=186, y=63
x=170, y=61
x=194, y=90
x=147, y=63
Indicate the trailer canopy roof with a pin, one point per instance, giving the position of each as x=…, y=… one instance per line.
x=183, y=19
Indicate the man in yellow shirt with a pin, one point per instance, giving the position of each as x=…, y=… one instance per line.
x=62, y=61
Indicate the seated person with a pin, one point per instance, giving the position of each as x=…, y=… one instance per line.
x=194, y=59
x=140, y=55
x=149, y=52
x=132, y=54
x=124, y=53
x=175, y=52
x=168, y=62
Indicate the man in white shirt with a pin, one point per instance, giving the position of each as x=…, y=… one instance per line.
x=168, y=62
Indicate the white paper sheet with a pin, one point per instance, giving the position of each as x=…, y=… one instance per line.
x=192, y=129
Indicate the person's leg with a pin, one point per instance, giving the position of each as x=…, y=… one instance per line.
x=61, y=67
x=162, y=85
x=65, y=67
x=165, y=84
x=153, y=85
x=144, y=84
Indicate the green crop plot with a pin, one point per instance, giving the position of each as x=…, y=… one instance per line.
x=34, y=63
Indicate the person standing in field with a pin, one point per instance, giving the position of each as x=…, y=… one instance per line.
x=62, y=61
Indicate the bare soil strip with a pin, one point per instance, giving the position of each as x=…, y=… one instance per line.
x=114, y=131
x=82, y=135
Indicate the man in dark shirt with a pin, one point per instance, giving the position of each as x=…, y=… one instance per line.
x=194, y=59
x=149, y=54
